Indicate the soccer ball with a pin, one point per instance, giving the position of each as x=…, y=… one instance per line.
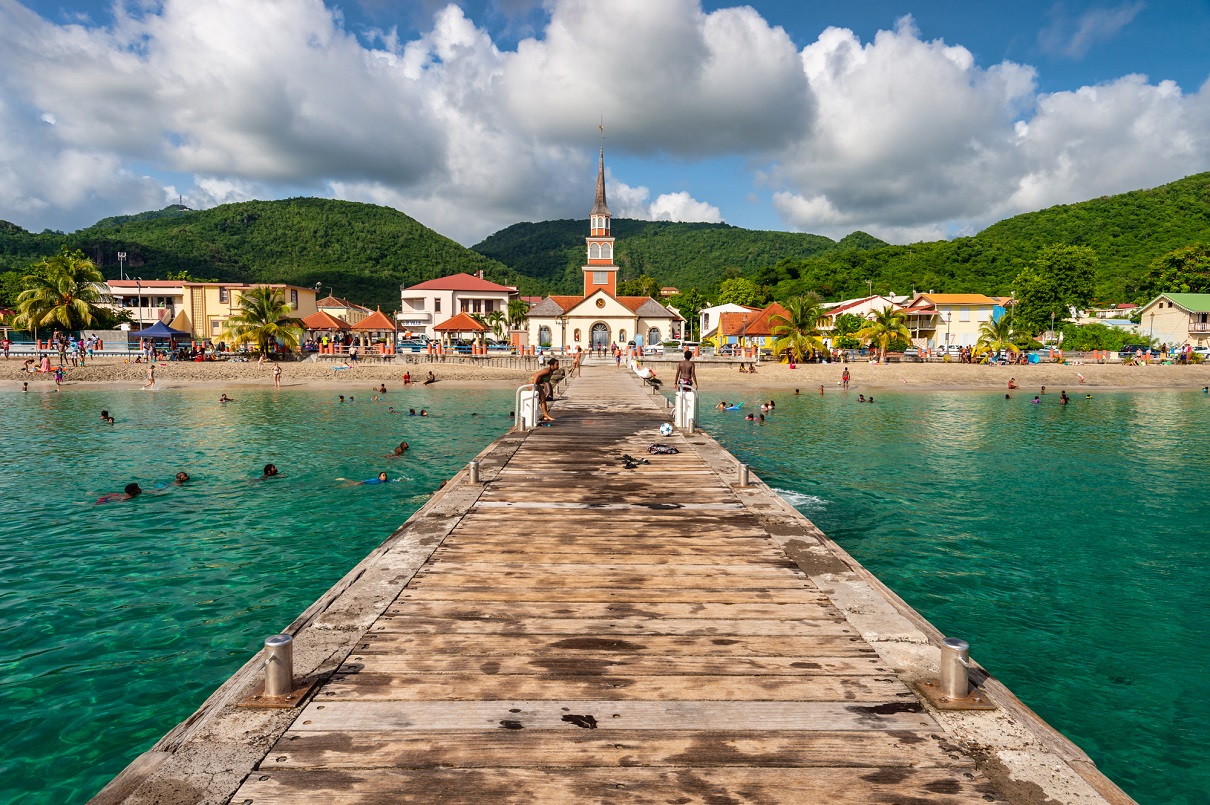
x=666, y=429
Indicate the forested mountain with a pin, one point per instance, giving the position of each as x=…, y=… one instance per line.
x=685, y=255
x=361, y=251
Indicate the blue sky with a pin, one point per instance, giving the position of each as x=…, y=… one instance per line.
x=909, y=120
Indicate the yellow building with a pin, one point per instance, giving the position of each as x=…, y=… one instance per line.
x=202, y=308
x=940, y=320
x=1177, y=319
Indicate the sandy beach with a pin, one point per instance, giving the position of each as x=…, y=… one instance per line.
x=807, y=377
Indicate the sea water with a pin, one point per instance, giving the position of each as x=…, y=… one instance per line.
x=1068, y=544
x=118, y=620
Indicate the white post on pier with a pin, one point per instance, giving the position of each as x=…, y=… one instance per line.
x=685, y=410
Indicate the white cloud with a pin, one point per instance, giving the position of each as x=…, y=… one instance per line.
x=1074, y=38
x=632, y=202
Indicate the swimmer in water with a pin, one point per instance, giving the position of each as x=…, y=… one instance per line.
x=860, y=398
x=269, y=472
x=1036, y=400
x=382, y=388
x=131, y=491
x=109, y=421
x=104, y=415
x=424, y=412
x=25, y=386
x=381, y=478
x=181, y=478
x=342, y=398
x=399, y=451
x=225, y=398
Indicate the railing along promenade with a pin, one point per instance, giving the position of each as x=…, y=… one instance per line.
x=558, y=624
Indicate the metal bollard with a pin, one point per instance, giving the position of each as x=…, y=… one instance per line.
x=743, y=474
x=955, y=682
x=279, y=665
x=474, y=467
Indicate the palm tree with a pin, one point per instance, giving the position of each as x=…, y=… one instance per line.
x=518, y=313
x=496, y=321
x=264, y=316
x=60, y=291
x=798, y=331
x=885, y=328
x=995, y=336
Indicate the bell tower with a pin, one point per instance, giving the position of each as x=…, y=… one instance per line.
x=600, y=274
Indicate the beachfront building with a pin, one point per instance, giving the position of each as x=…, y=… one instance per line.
x=200, y=308
x=863, y=307
x=599, y=318
x=427, y=304
x=939, y=320
x=708, y=318
x=343, y=309
x=1176, y=319
x=753, y=328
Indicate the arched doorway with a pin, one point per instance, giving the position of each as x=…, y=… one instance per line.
x=653, y=336
x=544, y=336
x=600, y=335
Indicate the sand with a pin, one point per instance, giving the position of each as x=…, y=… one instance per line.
x=807, y=377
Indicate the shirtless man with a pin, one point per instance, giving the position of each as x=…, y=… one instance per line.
x=686, y=372
x=541, y=381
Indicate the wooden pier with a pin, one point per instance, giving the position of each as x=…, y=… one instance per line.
x=571, y=630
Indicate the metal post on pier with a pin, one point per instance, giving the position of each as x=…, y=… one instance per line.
x=743, y=474
x=955, y=659
x=474, y=472
x=279, y=664
x=685, y=413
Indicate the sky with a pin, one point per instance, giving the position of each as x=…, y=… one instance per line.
x=907, y=119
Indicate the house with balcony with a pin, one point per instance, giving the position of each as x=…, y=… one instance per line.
x=427, y=304
x=201, y=308
x=343, y=309
x=1177, y=318
x=939, y=320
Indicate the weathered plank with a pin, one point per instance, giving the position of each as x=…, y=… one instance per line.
x=407, y=623
x=614, y=715
x=586, y=611
x=458, y=663
x=599, y=748
x=609, y=645
x=804, y=595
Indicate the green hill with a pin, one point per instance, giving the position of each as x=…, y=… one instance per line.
x=1126, y=231
x=686, y=255
x=361, y=251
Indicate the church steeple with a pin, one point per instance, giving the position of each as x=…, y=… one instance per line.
x=600, y=273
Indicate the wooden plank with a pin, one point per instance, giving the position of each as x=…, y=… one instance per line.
x=614, y=715
x=418, y=624
x=619, y=686
x=597, y=748
x=583, y=610
x=609, y=646
x=685, y=786
x=734, y=579
x=803, y=595
x=471, y=559
x=457, y=663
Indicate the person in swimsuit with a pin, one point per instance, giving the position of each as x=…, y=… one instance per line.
x=269, y=472
x=131, y=491
x=541, y=382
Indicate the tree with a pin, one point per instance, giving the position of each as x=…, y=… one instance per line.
x=995, y=336
x=60, y=291
x=1060, y=278
x=1184, y=270
x=643, y=286
x=690, y=304
x=798, y=331
x=737, y=291
x=518, y=313
x=496, y=320
x=844, y=329
x=886, y=326
x=263, y=316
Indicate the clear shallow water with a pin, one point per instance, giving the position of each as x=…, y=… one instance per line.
x=1068, y=545
x=118, y=620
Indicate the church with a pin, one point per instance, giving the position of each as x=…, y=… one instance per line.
x=600, y=318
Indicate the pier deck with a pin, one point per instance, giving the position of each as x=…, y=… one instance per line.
x=586, y=632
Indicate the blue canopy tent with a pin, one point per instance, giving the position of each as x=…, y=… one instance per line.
x=161, y=330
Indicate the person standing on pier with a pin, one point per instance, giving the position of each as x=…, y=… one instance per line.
x=686, y=372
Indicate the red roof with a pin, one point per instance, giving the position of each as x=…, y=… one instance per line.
x=756, y=323
x=459, y=282
x=375, y=321
x=462, y=323
x=324, y=321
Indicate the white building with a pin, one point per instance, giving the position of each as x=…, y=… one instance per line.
x=427, y=304
x=708, y=318
x=599, y=317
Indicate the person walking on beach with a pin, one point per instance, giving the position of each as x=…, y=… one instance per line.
x=844, y=379
x=686, y=372
x=277, y=375
x=150, y=377
x=6, y=345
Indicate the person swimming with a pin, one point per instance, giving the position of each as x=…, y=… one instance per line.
x=181, y=477
x=342, y=398
x=382, y=388
x=424, y=412
x=381, y=478
x=225, y=398
x=399, y=450
x=104, y=415
x=131, y=491
x=870, y=400
x=411, y=412
x=1036, y=400
x=860, y=398
x=270, y=471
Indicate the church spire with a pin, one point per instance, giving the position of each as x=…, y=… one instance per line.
x=600, y=208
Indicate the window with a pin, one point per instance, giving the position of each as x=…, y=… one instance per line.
x=436, y=305
x=544, y=336
x=964, y=314
x=594, y=251
x=417, y=304
x=293, y=298
x=653, y=336
x=476, y=305
x=216, y=326
x=622, y=336
x=606, y=251
x=576, y=334
x=223, y=296
x=464, y=305
x=600, y=278
x=487, y=306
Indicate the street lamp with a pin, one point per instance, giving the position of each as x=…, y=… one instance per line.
x=121, y=265
x=1153, y=325
x=138, y=281
x=1052, y=326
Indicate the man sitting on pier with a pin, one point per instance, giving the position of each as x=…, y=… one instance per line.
x=542, y=384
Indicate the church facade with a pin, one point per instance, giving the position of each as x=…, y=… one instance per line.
x=599, y=318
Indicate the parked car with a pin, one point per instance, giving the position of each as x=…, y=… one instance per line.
x=911, y=354
x=1204, y=351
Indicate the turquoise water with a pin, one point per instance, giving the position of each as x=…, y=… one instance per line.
x=1068, y=545
x=118, y=620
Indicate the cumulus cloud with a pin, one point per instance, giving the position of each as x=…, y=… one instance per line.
x=1073, y=38
x=902, y=136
